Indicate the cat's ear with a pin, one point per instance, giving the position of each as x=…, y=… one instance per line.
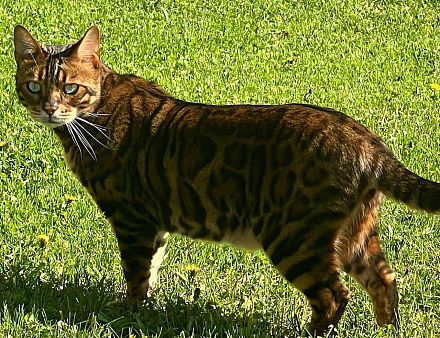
x=87, y=49
x=26, y=47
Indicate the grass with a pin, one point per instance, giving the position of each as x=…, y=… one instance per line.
x=374, y=60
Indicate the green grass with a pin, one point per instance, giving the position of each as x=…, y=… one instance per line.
x=374, y=60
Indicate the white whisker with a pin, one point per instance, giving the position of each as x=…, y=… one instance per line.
x=75, y=141
x=93, y=137
x=84, y=141
x=97, y=114
x=96, y=126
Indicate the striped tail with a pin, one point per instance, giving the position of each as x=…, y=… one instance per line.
x=403, y=185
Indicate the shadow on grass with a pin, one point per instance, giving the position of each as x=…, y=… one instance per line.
x=85, y=301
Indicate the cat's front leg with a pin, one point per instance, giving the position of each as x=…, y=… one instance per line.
x=159, y=244
x=142, y=249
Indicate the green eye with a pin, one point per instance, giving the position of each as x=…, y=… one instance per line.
x=70, y=88
x=33, y=87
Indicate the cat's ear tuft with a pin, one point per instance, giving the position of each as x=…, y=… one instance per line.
x=87, y=49
x=26, y=47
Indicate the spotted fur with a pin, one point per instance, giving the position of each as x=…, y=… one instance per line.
x=300, y=182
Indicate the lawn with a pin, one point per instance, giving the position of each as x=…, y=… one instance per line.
x=375, y=60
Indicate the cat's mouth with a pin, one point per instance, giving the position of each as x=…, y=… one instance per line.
x=53, y=120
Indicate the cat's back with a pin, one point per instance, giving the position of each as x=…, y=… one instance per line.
x=277, y=132
x=310, y=128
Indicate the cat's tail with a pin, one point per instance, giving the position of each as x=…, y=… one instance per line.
x=397, y=182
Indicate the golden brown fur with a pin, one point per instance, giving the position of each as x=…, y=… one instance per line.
x=302, y=183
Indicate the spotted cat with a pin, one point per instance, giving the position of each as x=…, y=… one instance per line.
x=302, y=183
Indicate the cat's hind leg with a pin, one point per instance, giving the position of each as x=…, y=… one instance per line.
x=362, y=258
x=370, y=269
x=328, y=298
x=304, y=254
x=325, y=292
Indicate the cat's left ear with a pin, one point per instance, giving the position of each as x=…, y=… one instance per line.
x=26, y=47
x=87, y=49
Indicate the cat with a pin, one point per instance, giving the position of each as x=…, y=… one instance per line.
x=300, y=182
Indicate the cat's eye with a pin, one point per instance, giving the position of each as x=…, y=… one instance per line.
x=71, y=88
x=33, y=87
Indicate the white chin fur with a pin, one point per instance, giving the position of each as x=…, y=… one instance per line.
x=53, y=121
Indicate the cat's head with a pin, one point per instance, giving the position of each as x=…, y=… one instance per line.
x=57, y=83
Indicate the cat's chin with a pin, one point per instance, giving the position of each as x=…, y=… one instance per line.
x=53, y=124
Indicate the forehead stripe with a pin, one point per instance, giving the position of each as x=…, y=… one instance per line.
x=53, y=67
x=40, y=75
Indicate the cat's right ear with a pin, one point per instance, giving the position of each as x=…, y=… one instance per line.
x=26, y=47
x=87, y=49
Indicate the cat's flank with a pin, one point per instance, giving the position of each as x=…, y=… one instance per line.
x=302, y=183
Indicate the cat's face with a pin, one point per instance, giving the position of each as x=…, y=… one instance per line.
x=57, y=83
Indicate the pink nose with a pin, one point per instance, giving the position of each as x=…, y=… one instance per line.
x=50, y=108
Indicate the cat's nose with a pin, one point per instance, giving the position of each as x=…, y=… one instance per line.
x=50, y=107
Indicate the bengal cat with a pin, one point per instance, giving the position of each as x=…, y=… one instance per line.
x=302, y=183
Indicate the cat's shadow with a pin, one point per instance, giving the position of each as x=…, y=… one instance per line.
x=93, y=305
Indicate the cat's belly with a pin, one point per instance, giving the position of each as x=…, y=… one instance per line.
x=242, y=238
